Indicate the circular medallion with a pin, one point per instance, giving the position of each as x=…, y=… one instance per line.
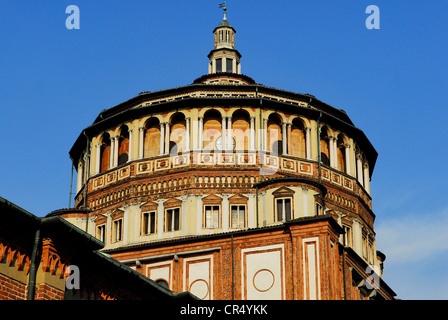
x=199, y=288
x=263, y=280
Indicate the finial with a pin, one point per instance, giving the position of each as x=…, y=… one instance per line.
x=223, y=5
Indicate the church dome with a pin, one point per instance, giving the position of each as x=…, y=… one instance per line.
x=222, y=155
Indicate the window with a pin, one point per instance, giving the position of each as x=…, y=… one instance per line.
x=229, y=65
x=319, y=209
x=101, y=232
x=370, y=252
x=118, y=230
x=211, y=216
x=149, y=223
x=172, y=219
x=283, y=209
x=219, y=65
x=238, y=216
x=347, y=236
x=364, y=246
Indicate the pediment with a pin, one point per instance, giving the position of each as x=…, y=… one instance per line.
x=238, y=197
x=211, y=197
x=283, y=191
x=149, y=206
x=172, y=203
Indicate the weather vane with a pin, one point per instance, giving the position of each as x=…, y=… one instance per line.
x=223, y=5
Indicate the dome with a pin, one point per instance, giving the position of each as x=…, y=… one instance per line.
x=183, y=173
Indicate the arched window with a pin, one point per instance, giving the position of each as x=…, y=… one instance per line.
x=324, y=146
x=177, y=133
x=341, y=153
x=298, y=141
x=212, y=129
x=105, y=153
x=275, y=144
x=241, y=129
x=123, y=146
x=152, y=138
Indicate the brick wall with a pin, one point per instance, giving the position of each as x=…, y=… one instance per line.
x=47, y=292
x=11, y=289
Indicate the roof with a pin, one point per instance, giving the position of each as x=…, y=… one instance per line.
x=237, y=76
x=19, y=226
x=224, y=24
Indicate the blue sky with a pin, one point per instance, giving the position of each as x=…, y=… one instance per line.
x=392, y=82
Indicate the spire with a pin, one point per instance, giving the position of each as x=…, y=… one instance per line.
x=224, y=57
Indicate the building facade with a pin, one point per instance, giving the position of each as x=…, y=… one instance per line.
x=231, y=189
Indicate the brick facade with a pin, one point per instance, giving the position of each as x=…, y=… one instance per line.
x=238, y=259
x=11, y=289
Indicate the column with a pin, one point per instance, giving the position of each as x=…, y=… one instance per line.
x=357, y=237
x=305, y=202
x=108, y=228
x=229, y=132
x=79, y=177
x=335, y=152
x=160, y=212
x=137, y=219
x=347, y=158
x=225, y=212
x=366, y=178
x=251, y=212
x=141, y=145
x=183, y=213
x=98, y=158
x=200, y=135
x=359, y=171
x=187, y=134
x=116, y=145
x=198, y=213
x=265, y=135
x=167, y=138
x=224, y=64
x=112, y=150
x=330, y=147
x=223, y=133
x=308, y=142
x=284, y=141
x=252, y=134
x=87, y=168
x=162, y=138
x=125, y=225
x=263, y=196
x=214, y=66
x=233, y=65
x=130, y=146
x=288, y=138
